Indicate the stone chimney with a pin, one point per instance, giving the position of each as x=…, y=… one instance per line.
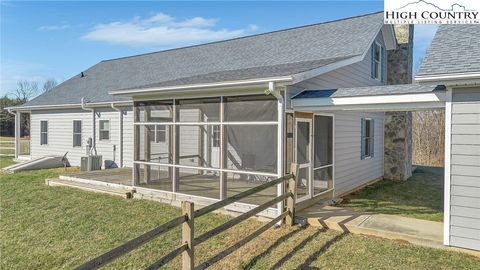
x=398, y=125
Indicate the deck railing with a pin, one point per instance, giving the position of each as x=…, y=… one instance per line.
x=187, y=221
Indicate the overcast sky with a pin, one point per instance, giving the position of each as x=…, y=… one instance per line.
x=41, y=40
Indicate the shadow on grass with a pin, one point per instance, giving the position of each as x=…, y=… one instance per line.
x=280, y=240
x=320, y=251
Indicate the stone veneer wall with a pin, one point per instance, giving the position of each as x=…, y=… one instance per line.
x=398, y=146
x=398, y=125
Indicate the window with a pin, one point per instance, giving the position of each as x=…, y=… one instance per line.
x=368, y=131
x=378, y=55
x=161, y=133
x=77, y=133
x=216, y=136
x=104, y=133
x=43, y=132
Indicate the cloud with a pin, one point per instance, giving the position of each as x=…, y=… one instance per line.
x=163, y=30
x=53, y=27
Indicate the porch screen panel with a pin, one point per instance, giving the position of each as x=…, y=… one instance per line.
x=199, y=182
x=198, y=110
x=239, y=182
x=251, y=108
x=323, y=154
x=152, y=147
x=154, y=177
x=198, y=146
x=252, y=148
x=155, y=111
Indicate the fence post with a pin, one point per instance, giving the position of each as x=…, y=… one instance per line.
x=187, y=236
x=292, y=187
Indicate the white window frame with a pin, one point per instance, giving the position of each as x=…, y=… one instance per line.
x=371, y=138
x=377, y=62
x=43, y=132
x=100, y=129
x=77, y=133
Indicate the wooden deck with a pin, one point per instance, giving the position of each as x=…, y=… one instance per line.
x=190, y=184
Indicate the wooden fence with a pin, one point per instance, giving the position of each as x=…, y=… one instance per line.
x=187, y=248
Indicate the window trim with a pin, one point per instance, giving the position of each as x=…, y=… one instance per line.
x=100, y=129
x=379, y=62
x=76, y=133
x=371, y=138
x=41, y=132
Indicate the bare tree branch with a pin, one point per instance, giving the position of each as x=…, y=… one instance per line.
x=25, y=90
x=49, y=85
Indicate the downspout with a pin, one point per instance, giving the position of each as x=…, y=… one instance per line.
x=120, y=132
x=94, y=138
x=280, y=111
x=16, y=127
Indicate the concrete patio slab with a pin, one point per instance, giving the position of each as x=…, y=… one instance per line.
x=415, y=231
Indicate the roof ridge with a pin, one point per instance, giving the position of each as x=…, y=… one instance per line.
x=243, y=37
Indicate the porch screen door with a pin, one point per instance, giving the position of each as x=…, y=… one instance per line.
x=303, y=157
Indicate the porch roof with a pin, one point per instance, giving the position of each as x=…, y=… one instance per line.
x=383, y=98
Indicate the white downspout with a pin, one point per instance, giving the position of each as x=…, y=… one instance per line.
x=17, y=131
x=280, y=142
x=94, y=137
x=120, y=131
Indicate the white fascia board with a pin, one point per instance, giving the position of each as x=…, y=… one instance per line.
x=70, y=106
x=389, y=37
x=450, y=78
x=369, y=100
x=200, y=87
x=420, y=106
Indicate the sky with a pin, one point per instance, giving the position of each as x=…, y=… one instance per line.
x=43, y=40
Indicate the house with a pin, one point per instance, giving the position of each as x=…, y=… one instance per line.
x=209, y=121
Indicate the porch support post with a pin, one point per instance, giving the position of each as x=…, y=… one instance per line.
x=175, y=152
x=17, y=133
x=280, y=144
x=223, y=152
x=136, y=145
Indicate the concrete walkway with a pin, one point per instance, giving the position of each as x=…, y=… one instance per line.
x=416, y=231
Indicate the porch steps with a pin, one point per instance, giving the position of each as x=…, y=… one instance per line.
x=122, y=192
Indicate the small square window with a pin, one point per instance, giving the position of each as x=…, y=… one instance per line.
x=104, y=133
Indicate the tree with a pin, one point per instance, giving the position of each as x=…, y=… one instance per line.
x=7, y=120
x=49, y=85
x=25, y=90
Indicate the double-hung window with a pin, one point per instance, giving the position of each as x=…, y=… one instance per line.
x=77, y=133
x=368, y=138
x=378, y=62
x=216, y=136
x=104, y=133
x=43, y=132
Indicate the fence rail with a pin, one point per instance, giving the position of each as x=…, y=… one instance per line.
x=188, y=242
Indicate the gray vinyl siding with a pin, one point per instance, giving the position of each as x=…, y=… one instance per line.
x=354, y=75
x=60, y=134
x=350, y=170
x=465, y=169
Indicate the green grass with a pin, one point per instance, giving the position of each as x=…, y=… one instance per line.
x=58, y=228
x=420, y=197
x=6, y=161
x=7, y=151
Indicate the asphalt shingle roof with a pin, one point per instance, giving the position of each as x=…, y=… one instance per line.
x=454, y=49
x=370, y=91
x=279, y=53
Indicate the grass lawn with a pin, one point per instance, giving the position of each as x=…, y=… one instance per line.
x=6, y=161
x=58, y=228
x=421, y=196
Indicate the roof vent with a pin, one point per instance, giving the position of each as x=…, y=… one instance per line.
x=82, y=75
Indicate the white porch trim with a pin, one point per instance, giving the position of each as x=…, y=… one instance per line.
x=401, y=102
x=448, y=147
